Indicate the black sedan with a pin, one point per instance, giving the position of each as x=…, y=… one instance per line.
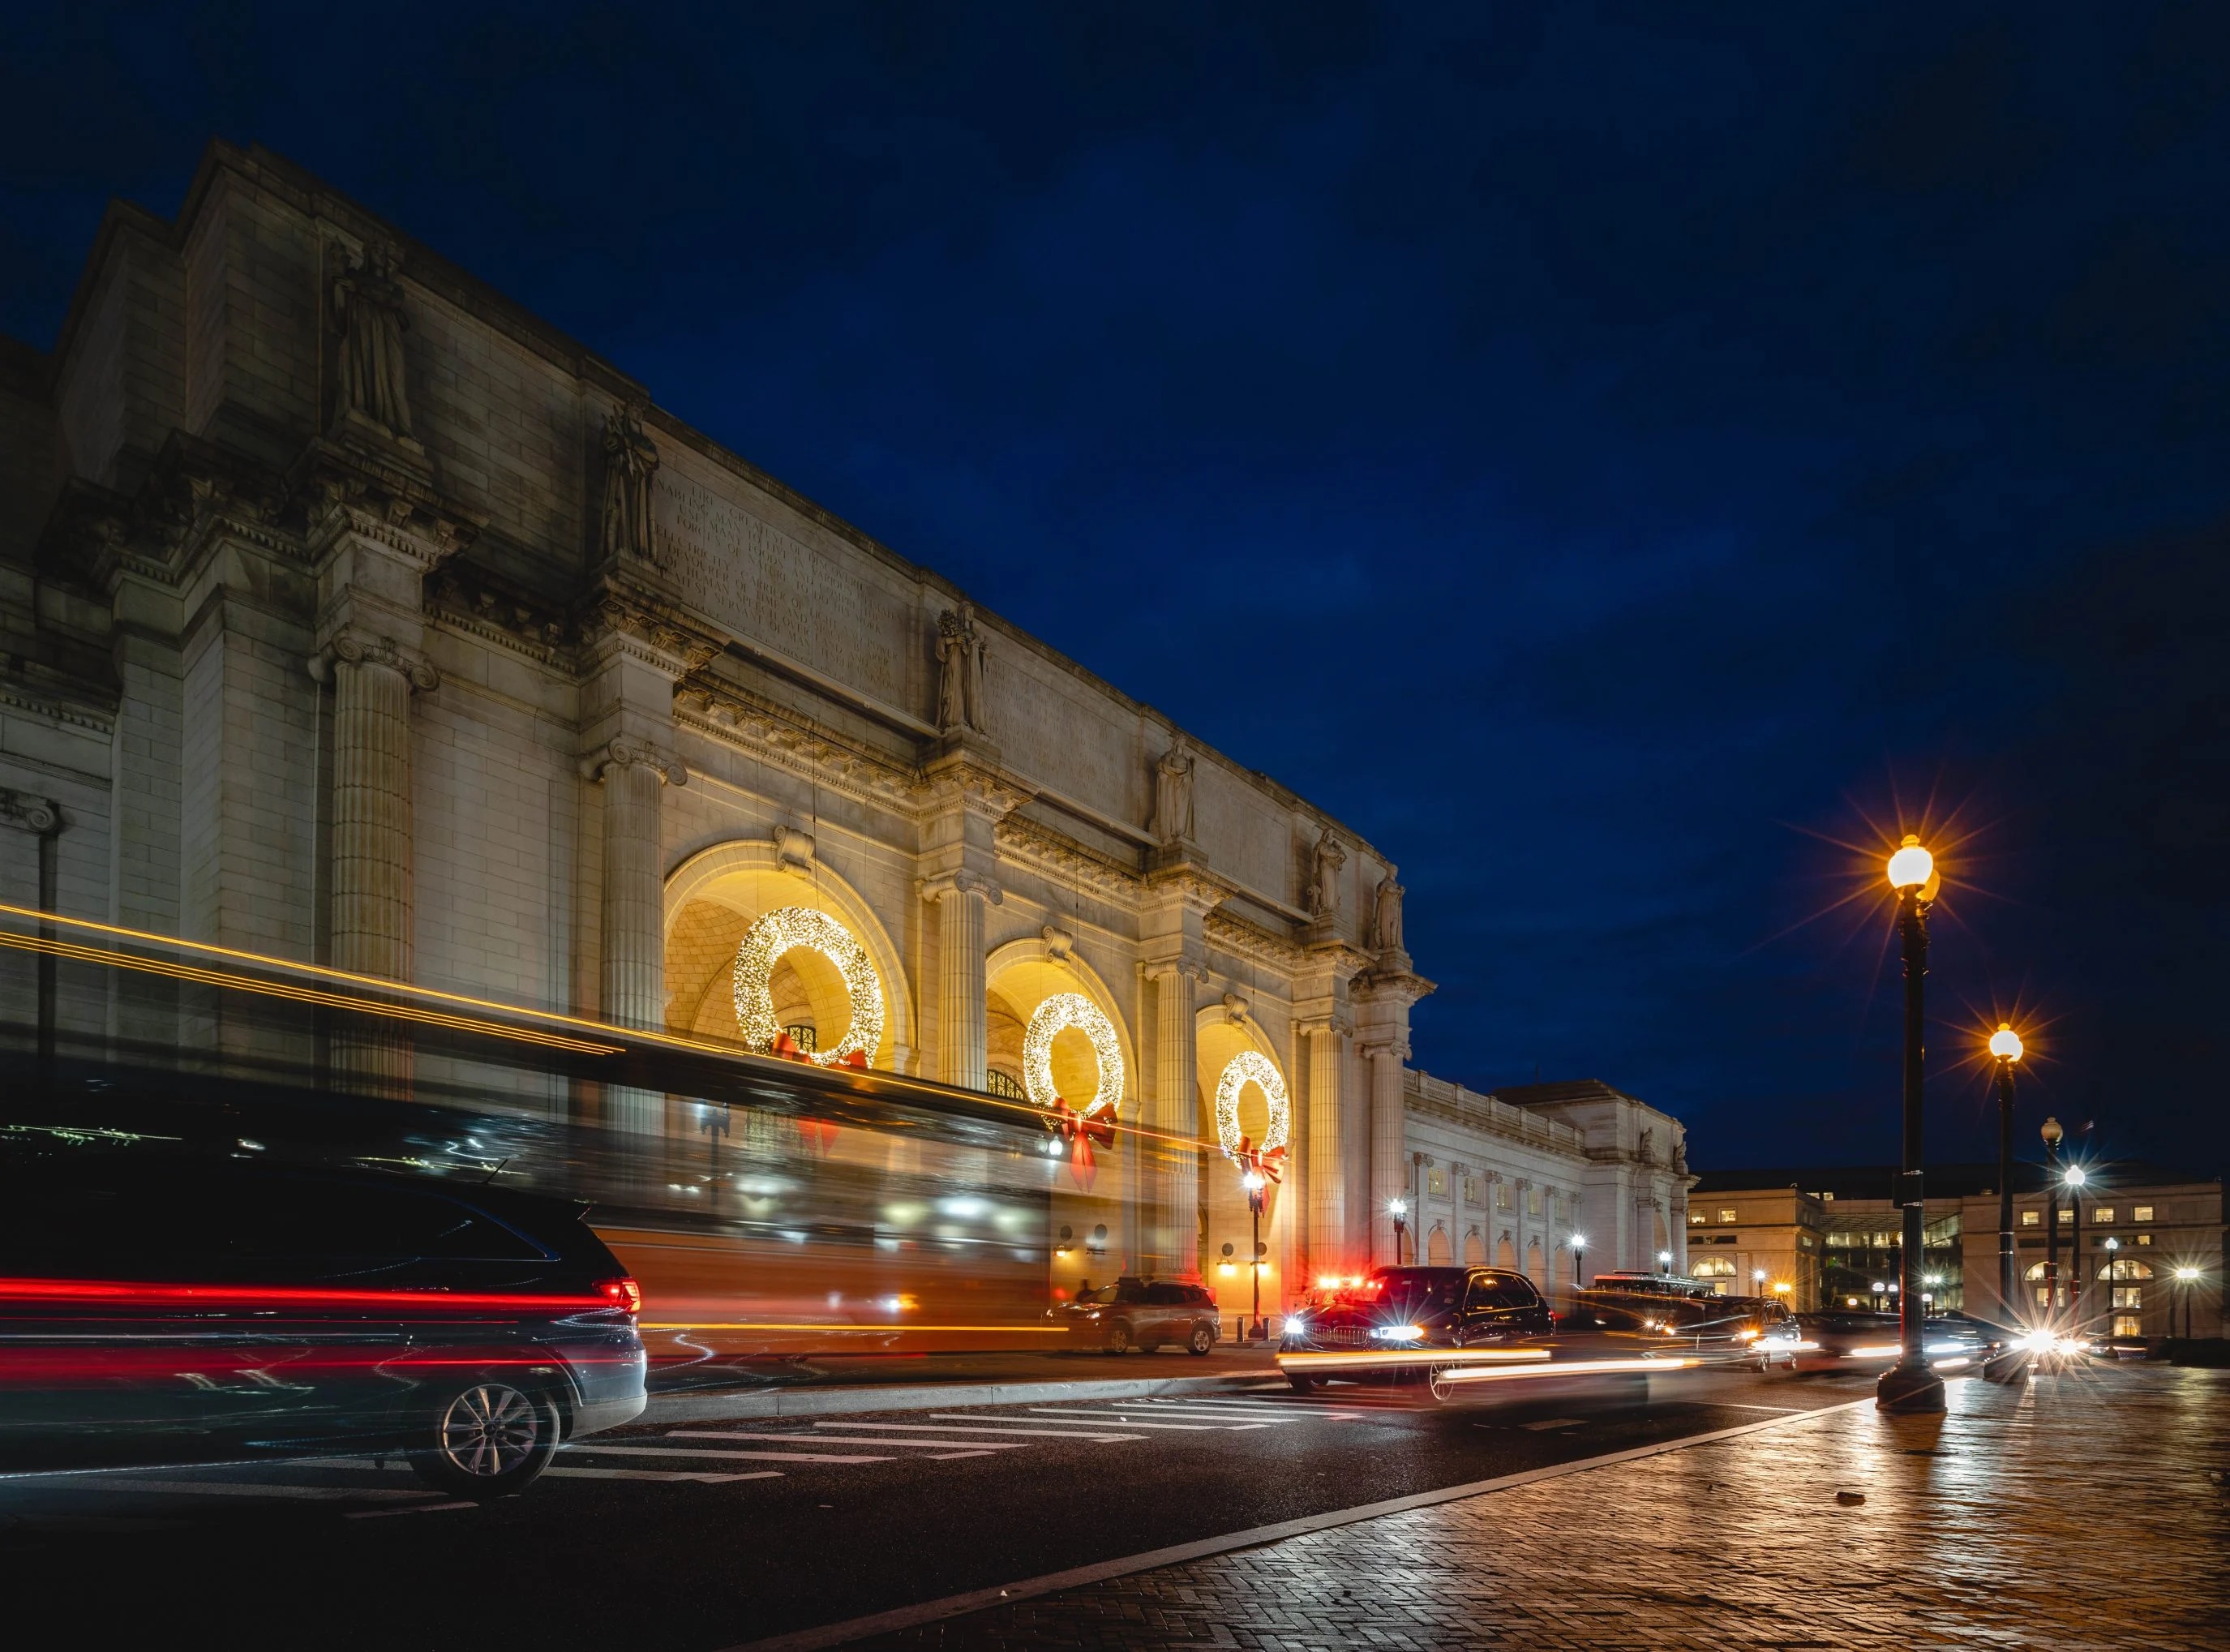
x=178, y=1310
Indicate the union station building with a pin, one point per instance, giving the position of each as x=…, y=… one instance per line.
x=354, y=616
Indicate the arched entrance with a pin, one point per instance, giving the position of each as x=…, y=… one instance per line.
x=1245, y=1097
x=1438, y=1253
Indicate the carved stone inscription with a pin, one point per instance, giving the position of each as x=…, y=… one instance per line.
x=756, y=580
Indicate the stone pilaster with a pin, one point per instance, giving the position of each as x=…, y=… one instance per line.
x=633, y=773
x=371, y=568
x=962, y=899
x=1383, y=999
x=1172, y=1237
x=1324, y=1171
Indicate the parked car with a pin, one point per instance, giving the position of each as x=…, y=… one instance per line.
x=1401, y=1318
x=1144, y=1314
x=2118, y=1347
x=173, y=1310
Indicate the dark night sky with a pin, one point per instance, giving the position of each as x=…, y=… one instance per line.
x=1607, y=454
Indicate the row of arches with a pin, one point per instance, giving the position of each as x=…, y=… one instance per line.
x=1052, y=1024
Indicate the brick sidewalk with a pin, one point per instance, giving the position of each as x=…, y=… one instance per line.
x=2086, y=1510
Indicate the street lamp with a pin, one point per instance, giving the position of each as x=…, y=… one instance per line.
x=1399, y=1209
x=1664, y=1262
x=2075, y=1179
x=1257, y=1187
x=2188, y=1278
x=2005, y=1047
x=2051, y=1134
x=1757, y=1278
x=1579, y=1264
x=1910, y=1385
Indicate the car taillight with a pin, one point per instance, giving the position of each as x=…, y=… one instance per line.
x=621, y=1293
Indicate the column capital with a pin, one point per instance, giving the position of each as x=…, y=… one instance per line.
x=27, y=812
x=623, y=625
x=353, y=645
x=1184, y=966
x=625, y=751
x=960, y=883
x=1384, y=1041
x=1340, y=1025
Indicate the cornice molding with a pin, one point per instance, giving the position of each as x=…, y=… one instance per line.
x=1022, y=841
x=760, y=730
x=1242, y=937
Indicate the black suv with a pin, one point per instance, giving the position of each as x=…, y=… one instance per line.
x=1408, y=1316
x=187, y=1309
x=1141, y=1314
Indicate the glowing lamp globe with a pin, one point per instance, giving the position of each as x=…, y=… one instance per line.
x=2187, y=1275
x=2005, y=1043
x=2051, y=1133
x=1911, y=866
x=2075, y=1176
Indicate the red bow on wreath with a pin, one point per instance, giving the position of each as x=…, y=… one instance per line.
x=1077, y=1131
x=787, y=1048
x=1269, y=1166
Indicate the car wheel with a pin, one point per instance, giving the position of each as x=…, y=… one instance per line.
x=1301, y=1384
x=1436, y=1380
x=490, y=1440
x=1118, y=1338
x=1200, y=1341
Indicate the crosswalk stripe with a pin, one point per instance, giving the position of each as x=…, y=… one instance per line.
x=844, y=1439
x=1132, y=1422
x=660, y=1474
x=966, y=1423
x=700, y=1451
x=1251, y=1414
x=236, y=1489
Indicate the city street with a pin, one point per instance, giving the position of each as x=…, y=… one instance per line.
x=710, y=1534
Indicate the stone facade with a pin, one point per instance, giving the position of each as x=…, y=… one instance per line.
x=354, y=616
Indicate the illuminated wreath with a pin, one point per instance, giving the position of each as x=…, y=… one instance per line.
x=1056, y=1015
x=1251, y=1066
x=778, y=932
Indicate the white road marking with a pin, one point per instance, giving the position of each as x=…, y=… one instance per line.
x=968, y=1423
x=841, y=1439
x=1730, y=1405
x=699, y=1451
x=1133, y=1422
x=423, y=1508
x=1557, y=1423
x=660, y=1474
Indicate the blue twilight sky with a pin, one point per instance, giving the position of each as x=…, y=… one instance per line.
x=1609, y=454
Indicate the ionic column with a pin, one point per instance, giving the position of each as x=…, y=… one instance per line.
x=1173, y=1230
x=960, y=899
x=1389, y=1161
x=370, y=907
x=633, y=773
x=1326, y=1167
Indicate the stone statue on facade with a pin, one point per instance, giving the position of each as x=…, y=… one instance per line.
x=368, y=304
x=1385, y=914
x=630, y=461
x=1649, y=1146
x=1173, y=794
x=960, y=656
x=1324, y=876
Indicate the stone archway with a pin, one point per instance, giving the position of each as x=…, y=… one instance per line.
x=1220, y=1039
x=1506, y=1255
x=1533, y=1263
x=1474, y=1249
x=1438, y=1252
x=711, y=901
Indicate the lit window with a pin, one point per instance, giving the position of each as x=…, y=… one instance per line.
x=1436, y=1182
x=1005, y=1084
x=2043, y=1296
x=2129, y=1296
x=2142, y=1213
x=1532, y=1201
x=2126, y=1325
x=2144, y=1238
x=2102, y=1213
x=1714, y=1268
x=2066, y=1216
x=1696, y=1219
x=803, y=1036
x=2030, y=1218
x=1471, y=1190
x=1502, y=1195
x=1729, y=1215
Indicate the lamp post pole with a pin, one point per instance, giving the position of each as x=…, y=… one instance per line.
x=2050, y=1133
x=1252, y=1181
x=2075, y=1249
x=2005, y=1046
x=1910, y=1385
x=2187, y=1279
x=1579, y=1268
x=1399, y=1209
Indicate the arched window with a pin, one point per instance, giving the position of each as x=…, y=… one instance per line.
x=2125, y=1267
x=1005, y=1084
x=2035, y=1271
x=1713, y=1268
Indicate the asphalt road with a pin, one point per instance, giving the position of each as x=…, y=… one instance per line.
x=707, y=1535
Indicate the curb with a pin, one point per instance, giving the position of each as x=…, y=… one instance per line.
x=911, y=1396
